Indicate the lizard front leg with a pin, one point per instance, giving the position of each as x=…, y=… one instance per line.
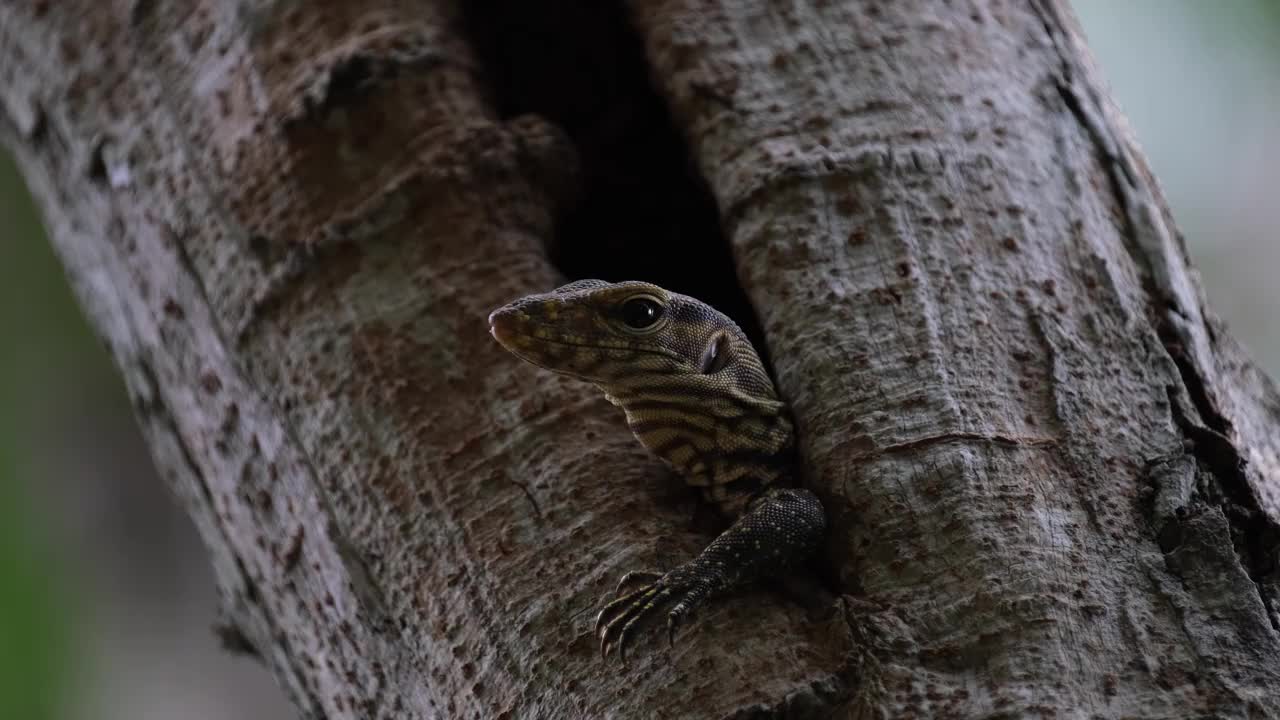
x=779, y=530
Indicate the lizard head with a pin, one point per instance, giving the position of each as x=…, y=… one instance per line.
x=632, y=334
x=694, y=390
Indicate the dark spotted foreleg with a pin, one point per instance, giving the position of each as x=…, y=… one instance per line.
x=779, y=530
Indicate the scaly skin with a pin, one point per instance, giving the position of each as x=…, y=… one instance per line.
x=696, y=395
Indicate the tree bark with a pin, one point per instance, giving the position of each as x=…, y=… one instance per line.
x=1051, y=475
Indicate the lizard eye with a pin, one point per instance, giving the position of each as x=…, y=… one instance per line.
x=641, y=313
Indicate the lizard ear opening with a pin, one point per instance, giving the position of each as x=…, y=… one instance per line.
x=716, y=356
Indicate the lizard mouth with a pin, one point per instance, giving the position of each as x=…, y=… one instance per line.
x=506, y=328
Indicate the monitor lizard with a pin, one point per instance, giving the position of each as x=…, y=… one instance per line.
x=697, y=395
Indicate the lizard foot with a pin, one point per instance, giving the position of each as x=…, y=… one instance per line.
x=618, y=621
x=779, y=530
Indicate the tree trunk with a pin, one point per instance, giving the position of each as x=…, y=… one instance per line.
x=1051, y=475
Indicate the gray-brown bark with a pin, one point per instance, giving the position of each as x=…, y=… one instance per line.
x=1051, y=474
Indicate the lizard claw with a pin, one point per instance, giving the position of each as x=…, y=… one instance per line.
x=675, y=619
x=640, y=577
x=618, y=621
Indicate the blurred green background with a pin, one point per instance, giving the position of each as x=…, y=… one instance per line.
x=105, y=597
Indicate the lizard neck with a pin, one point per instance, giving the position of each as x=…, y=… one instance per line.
x=712, y=438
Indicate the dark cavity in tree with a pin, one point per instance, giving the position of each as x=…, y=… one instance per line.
x=643, y=211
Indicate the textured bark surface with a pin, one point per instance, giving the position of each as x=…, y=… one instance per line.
x=1053, y=478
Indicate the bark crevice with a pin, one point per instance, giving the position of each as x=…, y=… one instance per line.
x=156, y=415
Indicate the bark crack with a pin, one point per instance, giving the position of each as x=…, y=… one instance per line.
x=362, y=584
x=155, y=411
x=915, y=444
